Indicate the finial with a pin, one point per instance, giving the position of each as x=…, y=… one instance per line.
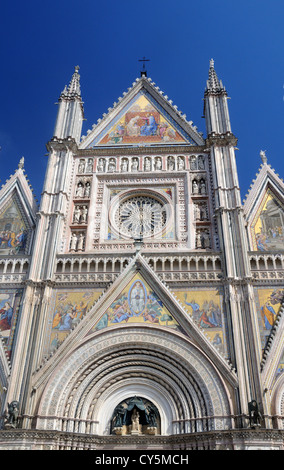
x=77, y=68
x=21, y=163
x=212, y=64
x=143, y=71
x=263, y=156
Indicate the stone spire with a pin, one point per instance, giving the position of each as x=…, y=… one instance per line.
x=213, y=82
x=70, y=114
x=74, y=89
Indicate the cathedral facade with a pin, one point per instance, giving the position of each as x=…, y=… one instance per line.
x=142, y=301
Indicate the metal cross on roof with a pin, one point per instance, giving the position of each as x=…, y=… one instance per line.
x=143, y=71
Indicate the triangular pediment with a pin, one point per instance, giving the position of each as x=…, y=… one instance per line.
x=143, y=117
x=264, y=211
x=17, y=215
x=137, y=303
x=139, y=298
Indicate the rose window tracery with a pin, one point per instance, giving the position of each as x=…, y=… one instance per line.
x=140, y=217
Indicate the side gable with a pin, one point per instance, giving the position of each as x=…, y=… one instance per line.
x=18, y=209
x=142, y=117
x=264, y=211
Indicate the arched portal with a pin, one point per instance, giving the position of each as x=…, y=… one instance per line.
x=161, y=366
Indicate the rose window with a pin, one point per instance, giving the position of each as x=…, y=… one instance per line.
x=140, y=217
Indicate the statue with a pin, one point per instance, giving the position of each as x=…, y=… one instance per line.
x=21, y=163
x=81, y=242
x=89, y=166
x=101, y=165
x=195, y=189
x=13, y=413
x=254, y=414
x=119, y=416
x=124, y=165
x=74, y=240
x=151, y=417
x=81, y=167
x=263, y=156
x=87, y=189
x=80, y=190
x=180, y=163
x=202, y=187
x=135, y=420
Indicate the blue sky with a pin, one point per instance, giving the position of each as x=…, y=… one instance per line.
x=41, y=42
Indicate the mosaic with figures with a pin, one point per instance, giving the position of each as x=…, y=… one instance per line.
x=268, y=225
x=140, y=122
x=68, y=308
x=13, y=230
x=269, y=302
x=9, y=309
x=138, y=303
x=205, y=307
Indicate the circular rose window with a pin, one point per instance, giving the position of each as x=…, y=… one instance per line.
x=140, y=217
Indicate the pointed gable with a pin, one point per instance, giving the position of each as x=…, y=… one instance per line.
x=142, y=117
x=137, y=303
x=17, y=214
x=149, y=304
x=264, y=211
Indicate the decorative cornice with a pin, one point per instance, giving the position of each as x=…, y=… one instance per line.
x=143, y=150
x=68, y=143
x=211, y=440
x=220, y=140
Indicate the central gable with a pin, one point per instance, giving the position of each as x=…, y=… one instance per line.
x=142, y=117
x=142, y=121
x=137, y=303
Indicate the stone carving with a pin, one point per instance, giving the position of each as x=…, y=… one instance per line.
x=111, y=165
x=195, y=188
x=200, y=212
x=79, y=190
x=84, y=214
x=151, y=417
x=201, y=164
x=254, y=414
x=158, y=164
x=202, y=187
x=135, y=421
x=199, y=186
x=89, y=167
x=147, y=164
x=135, y=164
x=171, y=163
x=180, y=163
x=80, y=215
x=193, y=163
x=81, y=240
x=77, y=241
x=13, y=414
x=81, y=167
x=124, y=164
x=101, y=165
x=203, y=239
x=74, y=240
x=87, y=189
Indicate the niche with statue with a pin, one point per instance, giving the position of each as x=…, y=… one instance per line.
x=135, y=416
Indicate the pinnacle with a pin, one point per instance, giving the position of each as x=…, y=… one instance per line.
x=74, y=88
x=213, y=83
